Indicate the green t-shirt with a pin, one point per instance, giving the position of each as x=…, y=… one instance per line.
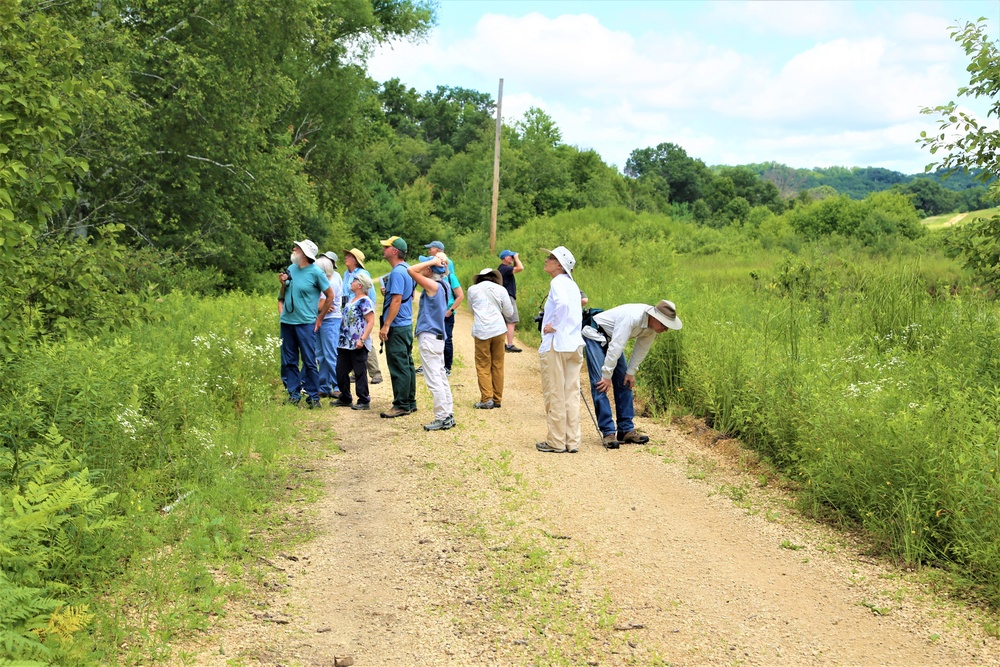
x=302, y=296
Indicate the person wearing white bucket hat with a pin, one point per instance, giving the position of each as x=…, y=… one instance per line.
x=300, y=320
x=561, y=355
x=605, y=338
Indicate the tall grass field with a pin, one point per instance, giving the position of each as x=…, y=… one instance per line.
x=872, y=381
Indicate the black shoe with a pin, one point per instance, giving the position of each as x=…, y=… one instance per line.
x=447, y=371
x=511, y=348
x=341, y=404
x=376, y=381
x=413, y=409
x=361, y=406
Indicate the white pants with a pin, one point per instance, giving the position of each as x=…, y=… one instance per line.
x=432, y=358
x=561, y=392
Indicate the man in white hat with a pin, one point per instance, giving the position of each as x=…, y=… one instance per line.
x=301, y=318
x=560, y=355
x=605, y=341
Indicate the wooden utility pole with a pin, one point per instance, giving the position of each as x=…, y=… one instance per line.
x=496, y=176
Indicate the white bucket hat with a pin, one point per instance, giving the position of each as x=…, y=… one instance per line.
x=564, y=257
x=308, y=248
x=666, y=313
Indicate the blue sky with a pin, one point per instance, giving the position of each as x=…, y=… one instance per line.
x=810, y=84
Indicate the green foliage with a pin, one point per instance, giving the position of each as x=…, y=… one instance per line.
x=977, y=244
x=880, y=215
x=965, y=142
x=54, y=525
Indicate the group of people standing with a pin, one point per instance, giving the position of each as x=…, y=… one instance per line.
x=313, y=308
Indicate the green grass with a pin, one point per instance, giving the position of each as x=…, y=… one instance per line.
x=936, y=222
x=176, y=422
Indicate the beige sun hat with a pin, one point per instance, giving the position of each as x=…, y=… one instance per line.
x=666, y=313
x=487, y=274
x=358, y=255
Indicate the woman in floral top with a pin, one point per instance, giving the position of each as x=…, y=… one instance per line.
x=353, y=346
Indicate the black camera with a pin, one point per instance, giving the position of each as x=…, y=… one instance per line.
x=538, y=319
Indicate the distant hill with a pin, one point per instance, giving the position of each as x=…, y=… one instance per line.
x=856, y=182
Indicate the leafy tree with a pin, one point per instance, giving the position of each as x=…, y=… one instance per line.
x=685, y=177
x=965, y=142
x=930, y=196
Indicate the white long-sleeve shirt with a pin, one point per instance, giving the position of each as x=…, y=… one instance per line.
x=490, y=304
x=563, y=312
x=623, y=323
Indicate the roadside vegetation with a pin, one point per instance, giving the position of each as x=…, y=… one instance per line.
x=142, y=202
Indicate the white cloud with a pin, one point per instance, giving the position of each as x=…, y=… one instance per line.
x=852, y=89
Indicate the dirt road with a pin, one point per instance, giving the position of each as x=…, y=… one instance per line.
x=468, y=547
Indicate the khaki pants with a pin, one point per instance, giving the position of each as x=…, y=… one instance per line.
x=561, y=392
x=489, y=368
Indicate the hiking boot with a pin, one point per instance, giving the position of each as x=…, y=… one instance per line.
x=376, y=380
x=511, y=348
x=547, y=448
x=420, y=370
x=311, y=404
x=361, y=406
x=633, y=437
x=496, y=405
x=611, y=441
x=484, y=405
x=413, y=409
x=394, y=412
x=449, y=422
x=341, y=404
x=335, y=394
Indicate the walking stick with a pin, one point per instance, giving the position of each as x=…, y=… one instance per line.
x=600, y=435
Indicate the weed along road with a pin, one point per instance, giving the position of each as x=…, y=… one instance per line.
x=468, y=547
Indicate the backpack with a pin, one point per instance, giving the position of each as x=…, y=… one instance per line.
x=588, y=316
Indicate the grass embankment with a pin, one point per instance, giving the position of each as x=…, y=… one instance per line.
x=936, y=222
x=871, y=382
x=139, y=471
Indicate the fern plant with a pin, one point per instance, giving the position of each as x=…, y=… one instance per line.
x=52, y=522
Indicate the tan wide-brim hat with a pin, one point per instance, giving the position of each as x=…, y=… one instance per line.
x=358, y=255
x=487, y=274
x=666, y=313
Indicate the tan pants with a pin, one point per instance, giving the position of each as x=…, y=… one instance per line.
x=489, y=368
x=561, y=393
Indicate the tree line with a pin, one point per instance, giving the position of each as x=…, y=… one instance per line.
x=145, y=141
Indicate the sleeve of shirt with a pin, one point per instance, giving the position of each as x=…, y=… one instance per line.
x=642, y=345
x=321, y=280
x=394, y=285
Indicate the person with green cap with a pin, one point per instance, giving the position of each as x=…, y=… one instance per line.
x=397, y=329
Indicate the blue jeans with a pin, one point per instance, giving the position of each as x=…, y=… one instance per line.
x=449, y=345
x=329, y=332
x=299, y=340
x=624, y=410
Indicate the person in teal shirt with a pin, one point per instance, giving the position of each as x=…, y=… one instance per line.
x=301, y=318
